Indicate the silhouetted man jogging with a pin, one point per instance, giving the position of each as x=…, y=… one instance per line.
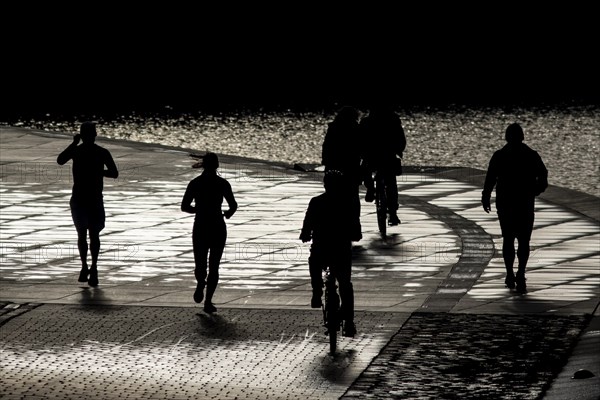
x=87, y=204
x=519, y=175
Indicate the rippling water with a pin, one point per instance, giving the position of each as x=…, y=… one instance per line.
x=567, y=137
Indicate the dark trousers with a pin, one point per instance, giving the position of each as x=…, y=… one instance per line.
x=339, y=260
x=391, y=187
x=208, y=250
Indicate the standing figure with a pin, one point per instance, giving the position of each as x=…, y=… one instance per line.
x=519, y=175
x=207, y=191
x=341, y=152
x=87, y=204
x=384, y=143
x=329, y=224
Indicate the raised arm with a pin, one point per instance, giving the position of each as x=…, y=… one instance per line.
x=67, y=153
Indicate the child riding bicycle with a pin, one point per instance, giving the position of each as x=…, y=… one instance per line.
x=329, y=223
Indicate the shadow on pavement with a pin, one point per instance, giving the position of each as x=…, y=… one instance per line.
x=336, y=368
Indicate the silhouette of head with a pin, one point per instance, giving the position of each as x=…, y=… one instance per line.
x=333, y=181
x=210, y=162
x=347, y=114
x=87, y=130
x=380, y=107
x=514, y=133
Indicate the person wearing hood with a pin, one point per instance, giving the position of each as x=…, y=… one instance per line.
x=519, y=175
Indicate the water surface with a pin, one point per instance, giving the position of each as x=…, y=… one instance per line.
x=567, y=137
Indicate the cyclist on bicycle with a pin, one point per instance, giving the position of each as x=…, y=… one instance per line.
x=384, y=141
x=330, y=224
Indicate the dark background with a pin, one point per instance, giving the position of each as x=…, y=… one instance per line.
x=107, y=61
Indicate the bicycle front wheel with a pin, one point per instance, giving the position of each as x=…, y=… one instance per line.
x=333, y=318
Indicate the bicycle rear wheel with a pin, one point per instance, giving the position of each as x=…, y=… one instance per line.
x=332, y=304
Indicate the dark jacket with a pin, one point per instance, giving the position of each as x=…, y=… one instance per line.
x=341, y=149
x=383, y=139
x=329, y=221
x=519, y=174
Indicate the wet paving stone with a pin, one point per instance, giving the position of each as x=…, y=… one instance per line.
x=463, y=356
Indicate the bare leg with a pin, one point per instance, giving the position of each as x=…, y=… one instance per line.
x=95, y=250
x=213, y=272
x=94, y=247
x=82, y=246
x=83, y=249
x=200, y=260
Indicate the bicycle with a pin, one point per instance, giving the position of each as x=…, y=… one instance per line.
x=331, y=309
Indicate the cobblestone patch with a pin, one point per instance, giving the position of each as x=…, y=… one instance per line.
x=180, y=353
x=460, y=356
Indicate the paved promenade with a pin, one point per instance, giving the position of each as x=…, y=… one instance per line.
x=434, y=319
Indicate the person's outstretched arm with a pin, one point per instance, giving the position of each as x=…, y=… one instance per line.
x=230, y=201
x=111, y=171
x=186, y=202
x=67, y=153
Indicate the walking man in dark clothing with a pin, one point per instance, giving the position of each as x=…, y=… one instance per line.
x=341, y=148
x=341, y=152
x=519, y=175
x=383, y=146
x=87, y=204
x=329, y=224
x=210, y=232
